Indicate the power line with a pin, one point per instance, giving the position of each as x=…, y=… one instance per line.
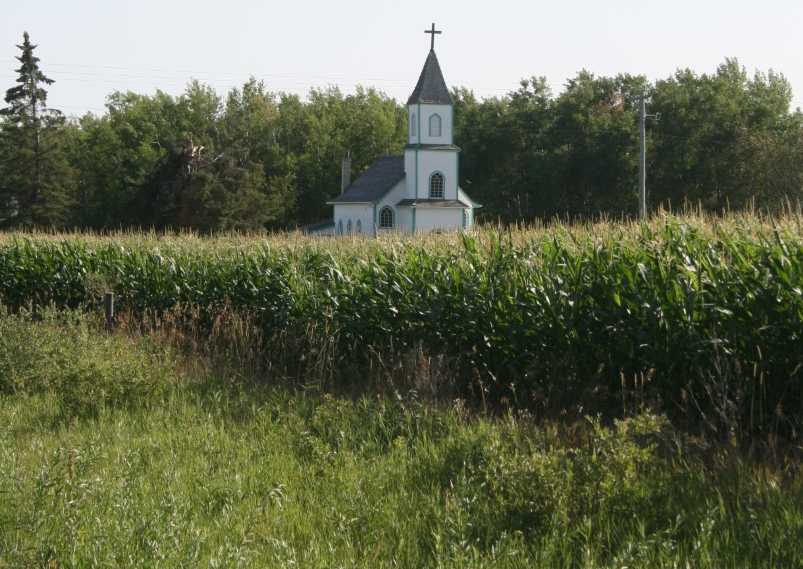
x=307, y=79
x=311, y=80
x=172, y=78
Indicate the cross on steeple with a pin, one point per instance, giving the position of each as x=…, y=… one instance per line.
x=433, y=32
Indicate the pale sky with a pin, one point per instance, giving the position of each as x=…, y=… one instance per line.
x=93, y=48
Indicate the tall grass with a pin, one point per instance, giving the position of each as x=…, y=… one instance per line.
x=117, y=453
x=63, y=355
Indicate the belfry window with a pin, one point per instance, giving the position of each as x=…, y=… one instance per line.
x=435, y=125
x=412, y=125
x=436, y=186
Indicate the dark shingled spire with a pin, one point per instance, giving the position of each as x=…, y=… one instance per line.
x=431, y=87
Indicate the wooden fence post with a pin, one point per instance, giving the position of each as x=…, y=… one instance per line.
x=108, y=308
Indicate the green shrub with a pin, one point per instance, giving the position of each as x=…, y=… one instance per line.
x=23, y=368
x=508, y=484
x=71, y=357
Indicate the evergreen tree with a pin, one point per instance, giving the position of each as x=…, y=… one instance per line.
x=34, y=177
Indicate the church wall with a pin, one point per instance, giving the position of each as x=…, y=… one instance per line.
x=443, y=161
x=402, y=216
x=410, y=173
x=424, y=112
x=438, y=219
x=469, y=219
x=362, y=213
x=413, y=124
x=404, y=220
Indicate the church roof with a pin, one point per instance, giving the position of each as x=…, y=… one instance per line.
x=415, y=146
x=431, y=203
x=431, y=87
x=383, y=174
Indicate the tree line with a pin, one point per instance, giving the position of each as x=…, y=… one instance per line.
x=253, y=159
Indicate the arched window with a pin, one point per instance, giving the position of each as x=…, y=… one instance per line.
x=465, y=219
x=412, y=125
x=348, y=227
x=359, y=227
x=435, y=125
x=340, y=227
x=386, y=218
x=436, y=186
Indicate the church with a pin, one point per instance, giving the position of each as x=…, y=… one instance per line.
x=417, y=192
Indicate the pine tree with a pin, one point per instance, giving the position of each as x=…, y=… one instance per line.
x=34, y=177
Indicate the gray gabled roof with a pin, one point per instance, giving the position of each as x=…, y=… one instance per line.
x=383, y=174
x=431, y=87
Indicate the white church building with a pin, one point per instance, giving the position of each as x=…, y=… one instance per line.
x=417, y=192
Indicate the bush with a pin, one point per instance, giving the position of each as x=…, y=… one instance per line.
x=70, y=356
x=521, y=486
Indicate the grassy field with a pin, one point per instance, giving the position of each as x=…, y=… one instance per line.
x=595, y=396
x=119, y=453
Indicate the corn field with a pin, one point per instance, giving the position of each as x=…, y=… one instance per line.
x=701, y=315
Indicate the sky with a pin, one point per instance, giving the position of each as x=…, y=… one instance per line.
x=93, y=48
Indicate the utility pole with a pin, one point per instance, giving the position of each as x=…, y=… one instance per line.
x=642, y=159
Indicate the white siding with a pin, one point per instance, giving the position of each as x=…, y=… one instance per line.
x=443, y=161
x=364, y=213
x=438, y=219
x=413, y=125
x=424, y=113
x=402, y=216
x=410, y=173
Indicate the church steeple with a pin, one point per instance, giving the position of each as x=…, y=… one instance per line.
x=430, y=109
x=431, y=88
x=430, y=157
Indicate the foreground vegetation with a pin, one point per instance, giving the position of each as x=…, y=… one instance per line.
x=120, y=451
x=704, y=317
x=604, y=395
